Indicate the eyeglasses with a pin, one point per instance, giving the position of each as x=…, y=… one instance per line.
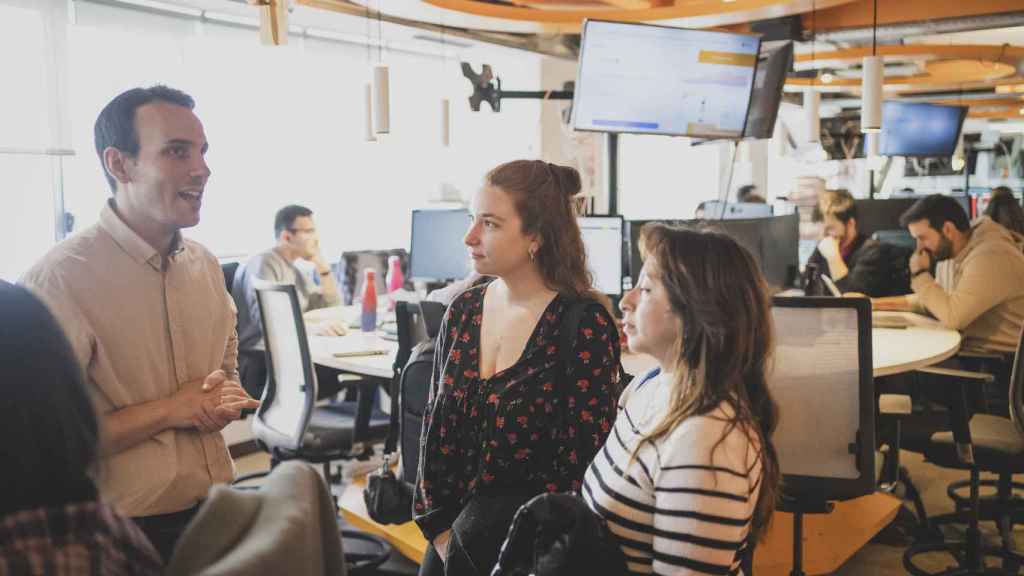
x=302, y=230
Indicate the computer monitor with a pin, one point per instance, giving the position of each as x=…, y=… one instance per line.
x=920, y=129
x=602, y=238
x=715, y=210
x=878, y=214
x=780, y=249
x=774, y=243
x=437, y=251
x=664, y=80
x=772, y=68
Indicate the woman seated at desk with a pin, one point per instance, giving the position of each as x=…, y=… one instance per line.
x=507, y=419
x=687, y=480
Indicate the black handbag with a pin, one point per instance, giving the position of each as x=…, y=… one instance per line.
x=388, y=498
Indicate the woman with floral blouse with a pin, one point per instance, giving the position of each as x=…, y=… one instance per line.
x=507, y=418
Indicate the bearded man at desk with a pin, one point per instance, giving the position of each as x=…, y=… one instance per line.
x=986, y=300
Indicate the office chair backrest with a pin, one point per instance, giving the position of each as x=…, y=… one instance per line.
x=1017, y=386
x=823, y=383
x=229, y=269
x=433, y=316
x=288, y=401
x=409, y=321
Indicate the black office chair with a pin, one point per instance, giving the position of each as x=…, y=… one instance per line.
x=982, y=443
x=289, y=425
x=229, y=269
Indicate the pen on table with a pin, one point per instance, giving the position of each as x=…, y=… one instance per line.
x=360, y=353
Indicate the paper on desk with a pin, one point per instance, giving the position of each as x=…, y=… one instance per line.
x=890, y=319
x=353, y=343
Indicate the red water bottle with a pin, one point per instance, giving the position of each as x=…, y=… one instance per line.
x=368, y=322
x=395, y=279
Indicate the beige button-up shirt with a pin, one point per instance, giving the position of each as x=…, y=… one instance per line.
x=141, y=328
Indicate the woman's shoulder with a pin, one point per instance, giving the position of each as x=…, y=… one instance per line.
x=714, y=437
x=472, y=295
x=592, y=315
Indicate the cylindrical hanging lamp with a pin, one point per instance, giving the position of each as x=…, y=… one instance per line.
x=871, y=94
x=446, y=122
x=368, y=105
x=812, y=100
x=381, y=107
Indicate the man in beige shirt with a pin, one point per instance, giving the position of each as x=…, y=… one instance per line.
x=148, y=316
x=986, y=299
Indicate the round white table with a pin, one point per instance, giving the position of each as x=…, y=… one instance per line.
x=894, y=350
x=898, y=350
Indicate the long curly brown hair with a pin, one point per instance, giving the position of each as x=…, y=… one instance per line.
x=543, y=195
x=716, y=289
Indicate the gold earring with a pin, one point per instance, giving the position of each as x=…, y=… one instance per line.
x=533, y=255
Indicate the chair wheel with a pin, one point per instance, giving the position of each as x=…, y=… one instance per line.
x=958, y=550
x=368, y=561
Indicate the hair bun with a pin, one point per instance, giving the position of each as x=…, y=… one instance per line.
x=568, y=179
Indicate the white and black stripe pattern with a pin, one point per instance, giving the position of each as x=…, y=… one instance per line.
x=673, y=510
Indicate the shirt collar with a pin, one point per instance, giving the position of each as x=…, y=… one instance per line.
x=132, y=243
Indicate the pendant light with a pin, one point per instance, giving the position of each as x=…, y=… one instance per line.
x=446, y=122
x=381, y=108
x=369, y=136
x=812, y=103
x=812, y=99
x=381, y=85
x=873, y=69
x=368, y=100
x=446, y=105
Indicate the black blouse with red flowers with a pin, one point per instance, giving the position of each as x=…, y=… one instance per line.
x=530, y=428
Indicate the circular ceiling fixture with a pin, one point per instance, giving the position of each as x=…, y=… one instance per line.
x=943, y=66
x=978, y=70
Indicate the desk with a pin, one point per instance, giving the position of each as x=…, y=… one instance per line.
x=894, y=350
x=323, y=348
x=923, y=343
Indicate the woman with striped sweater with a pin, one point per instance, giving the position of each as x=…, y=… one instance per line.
x=687, y=479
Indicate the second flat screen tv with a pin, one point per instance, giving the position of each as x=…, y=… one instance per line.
x=649, y=79
x=919, y=129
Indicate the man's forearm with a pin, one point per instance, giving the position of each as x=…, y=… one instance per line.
x=133, y=425
x=329, y=287
x=894, y=303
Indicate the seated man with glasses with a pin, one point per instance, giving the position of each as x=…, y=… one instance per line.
x=296, y=238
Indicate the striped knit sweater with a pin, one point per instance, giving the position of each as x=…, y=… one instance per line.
x=673, y=510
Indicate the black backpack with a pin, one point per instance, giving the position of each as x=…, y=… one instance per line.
x=413, y=389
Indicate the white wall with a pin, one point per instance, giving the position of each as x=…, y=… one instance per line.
x=285, y=125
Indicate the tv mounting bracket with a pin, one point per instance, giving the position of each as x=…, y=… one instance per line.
x=484, y=90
